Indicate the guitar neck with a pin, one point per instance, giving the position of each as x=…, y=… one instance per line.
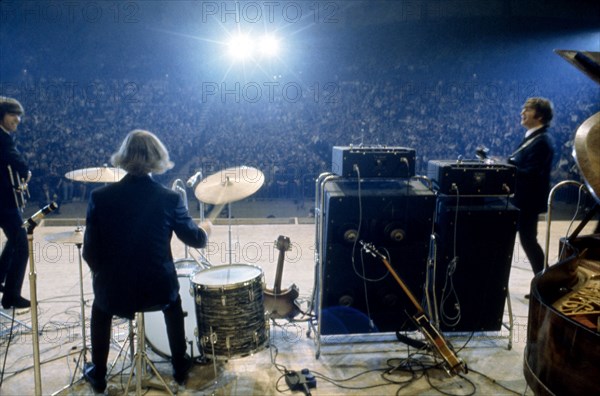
x=279, y=272
x=405, y=288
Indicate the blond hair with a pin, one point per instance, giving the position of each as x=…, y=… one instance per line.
x=141, y=153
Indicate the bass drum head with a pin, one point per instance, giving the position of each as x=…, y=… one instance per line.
x=154, y=322
x=225, y=277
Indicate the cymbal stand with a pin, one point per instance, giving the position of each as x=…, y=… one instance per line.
x=229, y=232
x=180, y=187
x=83, y=352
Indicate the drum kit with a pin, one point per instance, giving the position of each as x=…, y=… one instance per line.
x=224, y=307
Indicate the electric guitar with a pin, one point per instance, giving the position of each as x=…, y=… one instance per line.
x=453, y=364
x=281, y=304
x=20, y=190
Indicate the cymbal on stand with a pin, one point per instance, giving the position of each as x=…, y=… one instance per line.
x=75, y=237
x=103, y=174
x=587, y=153
x=229, y=185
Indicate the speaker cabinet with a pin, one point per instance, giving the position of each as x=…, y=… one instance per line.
x=474, y=256
x=358, y=293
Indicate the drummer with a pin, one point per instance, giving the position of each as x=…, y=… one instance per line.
x=127, y=245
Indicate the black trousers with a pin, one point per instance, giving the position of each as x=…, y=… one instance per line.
x=528, y=223
x=101, y=324
x=13, y=261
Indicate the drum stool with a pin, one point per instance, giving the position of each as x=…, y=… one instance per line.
x=141, y=360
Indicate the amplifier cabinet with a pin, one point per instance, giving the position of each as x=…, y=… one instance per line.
x=475, y=248
x=358, y=293
x=472, y=177
x=383, y=162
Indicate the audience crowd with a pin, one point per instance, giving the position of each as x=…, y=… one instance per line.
x=285, y=128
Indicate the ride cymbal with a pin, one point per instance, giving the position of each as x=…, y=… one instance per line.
x=229, y=185
x=75, y=237
x=102, y=174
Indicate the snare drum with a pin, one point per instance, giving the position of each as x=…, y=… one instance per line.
x=230, y=310
x=154, y=322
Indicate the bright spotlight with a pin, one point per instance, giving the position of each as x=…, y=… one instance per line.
x=240, y=47
x=269, y=45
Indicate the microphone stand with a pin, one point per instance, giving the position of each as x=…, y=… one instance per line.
x=31, y=223
x=34, y=313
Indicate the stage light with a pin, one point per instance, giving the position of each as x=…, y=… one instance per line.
x=269, y=45
x=240, y=47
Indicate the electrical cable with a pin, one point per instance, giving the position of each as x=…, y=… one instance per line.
x=448, y=289
x=12, y=323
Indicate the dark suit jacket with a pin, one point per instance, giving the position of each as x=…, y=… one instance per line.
x=127, y=244
x=9, y=155
x=533, y=159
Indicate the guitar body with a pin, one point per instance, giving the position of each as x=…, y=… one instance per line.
x=20, y=190
x=453, y=364
x=281, y=304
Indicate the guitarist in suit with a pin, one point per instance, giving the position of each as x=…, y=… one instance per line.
x=533, y=159
x=13, y=261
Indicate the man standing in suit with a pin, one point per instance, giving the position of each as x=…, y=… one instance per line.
x=533, y=159
x=127, y=245
x=13, y=261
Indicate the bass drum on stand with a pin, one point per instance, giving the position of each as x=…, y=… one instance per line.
x=154, y=322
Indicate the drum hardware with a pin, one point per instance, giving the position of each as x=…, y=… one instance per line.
x=179, y=187
x=76, y=237
x=227, y=186
x=103, y=174
x=141, y=361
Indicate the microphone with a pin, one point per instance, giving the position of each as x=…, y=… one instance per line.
x=39, y=215
x=192, y=180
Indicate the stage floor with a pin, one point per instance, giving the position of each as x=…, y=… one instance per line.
x=361, y=364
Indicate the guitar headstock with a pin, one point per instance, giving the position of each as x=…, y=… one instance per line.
x=283, y=243
x=368, y=247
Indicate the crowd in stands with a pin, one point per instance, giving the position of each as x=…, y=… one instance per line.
x=287, y=132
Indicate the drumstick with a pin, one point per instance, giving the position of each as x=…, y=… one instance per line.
x=215, y=211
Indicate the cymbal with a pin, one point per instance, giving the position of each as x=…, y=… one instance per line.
x=103, y=174
x=587, y=153
x=229, y=185
x=75, y=237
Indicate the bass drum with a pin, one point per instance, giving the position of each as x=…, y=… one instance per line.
x=154, y=322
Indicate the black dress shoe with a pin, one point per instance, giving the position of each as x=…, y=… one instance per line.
x=90, y=375
x=15, y=302
x=526, y=296
x=181, y=369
